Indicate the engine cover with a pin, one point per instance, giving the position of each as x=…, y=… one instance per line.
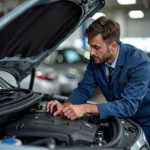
x=45, y=125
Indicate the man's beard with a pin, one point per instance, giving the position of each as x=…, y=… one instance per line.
x=104, y=58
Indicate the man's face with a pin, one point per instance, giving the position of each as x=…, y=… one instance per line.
x=99, y=50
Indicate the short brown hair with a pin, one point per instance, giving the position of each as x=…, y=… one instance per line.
x=108, y=28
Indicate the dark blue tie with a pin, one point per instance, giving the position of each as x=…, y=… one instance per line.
x=110, y=71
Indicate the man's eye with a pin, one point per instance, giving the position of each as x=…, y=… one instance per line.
x=97, y=48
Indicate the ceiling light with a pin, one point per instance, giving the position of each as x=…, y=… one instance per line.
x=136, y=14
x=97, y=15
x=126, y=2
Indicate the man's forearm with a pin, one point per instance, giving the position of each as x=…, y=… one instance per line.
x=91, y=109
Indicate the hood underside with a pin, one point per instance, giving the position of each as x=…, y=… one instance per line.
x=31, y=31
x=39, y=28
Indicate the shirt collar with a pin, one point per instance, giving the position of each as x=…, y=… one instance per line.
x=113, y=65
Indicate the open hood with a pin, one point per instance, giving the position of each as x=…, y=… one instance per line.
x=34, y=29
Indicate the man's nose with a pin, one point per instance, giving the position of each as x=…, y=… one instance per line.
x=92, y=51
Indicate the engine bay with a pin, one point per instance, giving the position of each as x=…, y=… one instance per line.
x=36, y=127
x=44, y=125
x=23, y=118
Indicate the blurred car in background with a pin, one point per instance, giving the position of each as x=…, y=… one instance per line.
x=51, y=82
x=66, y=58
x=71, y=75
x=56, y=72
x=44, y=81
x=62, y=67
x=70, y=64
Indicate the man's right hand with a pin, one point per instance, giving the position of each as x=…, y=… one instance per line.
x=54, y=104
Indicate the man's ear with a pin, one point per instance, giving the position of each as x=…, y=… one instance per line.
x=113, y=45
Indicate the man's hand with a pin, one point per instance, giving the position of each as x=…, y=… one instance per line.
x=54, y=104
x=73, y=112
x=56, y=107
x=70, y=111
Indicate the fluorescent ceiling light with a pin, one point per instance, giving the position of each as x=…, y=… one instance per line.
x=97, y=15
x=126, y=2
x=136, y=14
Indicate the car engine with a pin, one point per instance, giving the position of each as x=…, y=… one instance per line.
x=39, y=128
x=45, y=125
x=34, y=126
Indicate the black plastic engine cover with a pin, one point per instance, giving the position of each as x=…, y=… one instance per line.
x=45, y=125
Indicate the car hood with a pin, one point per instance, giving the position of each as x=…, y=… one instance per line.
x=34, y=29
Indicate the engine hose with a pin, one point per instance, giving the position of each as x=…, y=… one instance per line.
x=118, y=136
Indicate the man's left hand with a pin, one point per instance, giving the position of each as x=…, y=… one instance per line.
x=73, y=112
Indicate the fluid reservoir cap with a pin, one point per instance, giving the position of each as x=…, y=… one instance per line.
x=11, y=141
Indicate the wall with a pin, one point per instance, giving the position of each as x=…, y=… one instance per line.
x=129, y=27
x=132, y=27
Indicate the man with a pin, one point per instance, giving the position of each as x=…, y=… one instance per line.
x=126, y=87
